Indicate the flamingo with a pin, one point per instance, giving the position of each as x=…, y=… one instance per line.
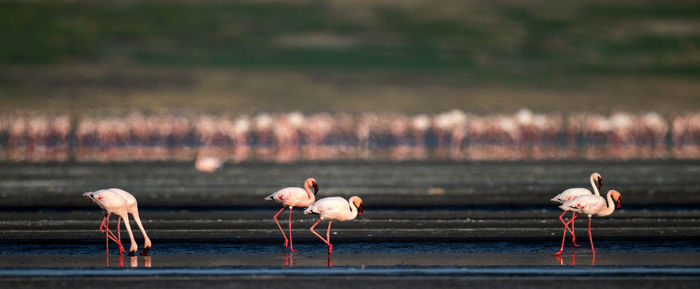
x=207, y=164
x=293, y=197
x=334, y=208
x=573, y=193
x=121, y=203
x=591, y=205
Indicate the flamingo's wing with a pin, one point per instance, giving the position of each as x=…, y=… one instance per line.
x=571, y=194
x=286, y=194
x=587, y=204
x=327, y=205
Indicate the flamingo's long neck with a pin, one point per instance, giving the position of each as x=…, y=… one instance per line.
x=609, y=206
x=147, y=241
x=309, y=193
x=594, y=185
x=134, y=247
x=353, y=210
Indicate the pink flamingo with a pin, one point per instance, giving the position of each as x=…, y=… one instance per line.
x=293, y=197
x=121, y=203
x=573, y=193
x=334, y=208
x=591, y=205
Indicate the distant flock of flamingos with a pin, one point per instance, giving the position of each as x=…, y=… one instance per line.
x=37, y=136
x=121, y=203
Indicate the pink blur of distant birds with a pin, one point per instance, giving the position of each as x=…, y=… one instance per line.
x=293, y=197
x=207, y=164
x=334, y=208
x=573, y=193
x=121, y=203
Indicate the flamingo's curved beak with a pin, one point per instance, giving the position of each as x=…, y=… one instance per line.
x=360, y=209
x=88, y=194
x=618, y=203
x=315, y=185
x=600, y=183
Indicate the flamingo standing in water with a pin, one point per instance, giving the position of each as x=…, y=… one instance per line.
x=591, y=205
x=121, y=203
x=573, y=193
x=293, y=197
x=334, y=208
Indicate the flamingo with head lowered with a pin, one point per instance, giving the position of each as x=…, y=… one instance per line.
x=591, y=205
x=334, y=208
x=293, y=197
x=121, y=203
x=573, y=193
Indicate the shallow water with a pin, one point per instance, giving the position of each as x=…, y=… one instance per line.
x=410, y=247
x=434, y=222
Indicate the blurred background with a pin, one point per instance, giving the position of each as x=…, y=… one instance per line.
x=352, y=79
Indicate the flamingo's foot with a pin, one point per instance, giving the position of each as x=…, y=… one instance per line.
x=145, y=251
x=558, y=253
x=132, y=253
x=292, y=250
x=576, y=245
x=286, y=243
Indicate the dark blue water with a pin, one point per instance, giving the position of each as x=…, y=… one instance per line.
x=609, y=271
x=354, y=247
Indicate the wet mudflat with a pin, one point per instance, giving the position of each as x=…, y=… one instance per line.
x=426, y=224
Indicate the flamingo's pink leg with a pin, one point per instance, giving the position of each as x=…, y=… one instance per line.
x=561, y=218
x=291, y=246
x=330, y=247
x=107, y=247
x=286, y=241
x=102, y=225
x=119, y=228
x=328, y=237
x=573, y=236
x=563, y=239
x=104, y=228
x=590, y=236
x=106, y=237
x=114, y=238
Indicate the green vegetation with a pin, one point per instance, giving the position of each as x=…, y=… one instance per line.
x=578, y=36
x=490, y=43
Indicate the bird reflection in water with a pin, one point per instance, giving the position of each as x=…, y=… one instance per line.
x=121, y=261
x=289, y=259
x=573, y=260
x=133, y=261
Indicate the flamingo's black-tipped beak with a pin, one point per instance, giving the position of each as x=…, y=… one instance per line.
x=360, y=209
x=315, y=185
x=618, y=203
x=600, y=183
x=145, y=251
